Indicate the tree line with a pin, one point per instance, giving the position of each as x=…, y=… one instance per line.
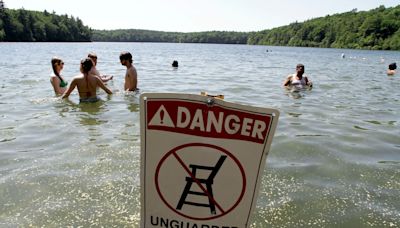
x=137, y=35
x=28, y=26
x=377, y=29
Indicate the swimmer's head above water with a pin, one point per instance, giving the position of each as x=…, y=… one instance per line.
x=86, y=65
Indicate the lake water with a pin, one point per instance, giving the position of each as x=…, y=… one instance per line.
x=334, y=160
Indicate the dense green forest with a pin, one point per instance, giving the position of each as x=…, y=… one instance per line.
x=375, y=29
x=135, y=35
x=27, y=26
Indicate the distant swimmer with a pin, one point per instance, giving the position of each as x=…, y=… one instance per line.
x=104, y=78
x=298, y=80
x=130, y=74
x=175, y=63
x=392, y=69
x=57, y=81
x=87, y=84
x=343, y=56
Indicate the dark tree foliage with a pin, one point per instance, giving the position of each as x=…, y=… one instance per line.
x=377, y=29
x=135, y=35
x=28, y=26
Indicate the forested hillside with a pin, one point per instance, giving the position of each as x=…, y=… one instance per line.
x=135, y=35
x=375, y=29
x=25, y=25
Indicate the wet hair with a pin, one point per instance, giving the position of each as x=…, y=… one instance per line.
x=54, y=61
x=299, y=65
x=125, y=56
x=175, y=63
x=86, y=65
x=92, y=55
x=392, y=66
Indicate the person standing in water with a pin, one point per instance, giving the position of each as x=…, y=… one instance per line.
x=131, y=74
x=87, y=84
x=104, y=78
x=298, y=79
x=56, y=80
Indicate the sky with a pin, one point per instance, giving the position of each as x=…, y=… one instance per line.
x=196, y=15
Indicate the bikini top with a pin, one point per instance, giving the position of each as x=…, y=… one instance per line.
x=62, y=82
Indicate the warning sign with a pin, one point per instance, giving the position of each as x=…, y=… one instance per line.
x=201, y=160
x=201, y=179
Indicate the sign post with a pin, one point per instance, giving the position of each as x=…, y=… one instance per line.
x=201, y=160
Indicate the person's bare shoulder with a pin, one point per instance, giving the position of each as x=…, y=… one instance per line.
x=132, y=71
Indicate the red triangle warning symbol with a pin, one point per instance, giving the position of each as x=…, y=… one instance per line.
x=161, y=118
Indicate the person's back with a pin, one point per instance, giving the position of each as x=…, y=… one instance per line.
x=87, y=86
x=86, y=83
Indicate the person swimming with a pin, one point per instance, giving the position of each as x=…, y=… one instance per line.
x=86, y=83
x=56, y=80
x=391, y=69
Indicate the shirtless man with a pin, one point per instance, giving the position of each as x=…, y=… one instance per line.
x=87, y=84
x=298, y=79
x=392, y=69
x=130, y=75
x=104, y=78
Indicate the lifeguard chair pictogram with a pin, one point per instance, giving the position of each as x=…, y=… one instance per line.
x=204, y=184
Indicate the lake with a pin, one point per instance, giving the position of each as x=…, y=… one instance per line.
x=334, y=160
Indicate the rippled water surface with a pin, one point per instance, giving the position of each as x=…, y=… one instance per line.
x=334, y=161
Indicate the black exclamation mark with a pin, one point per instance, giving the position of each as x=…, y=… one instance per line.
x=162, y=116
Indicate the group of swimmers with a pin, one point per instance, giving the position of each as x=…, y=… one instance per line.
x=90, y=78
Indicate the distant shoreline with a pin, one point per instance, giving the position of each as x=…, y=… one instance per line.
x=377, y=29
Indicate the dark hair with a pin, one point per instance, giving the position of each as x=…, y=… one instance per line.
x=86, y=64
x=392, y=66
x=299, y=65
x=125, y=56
x=55, y=60
x=175, y=63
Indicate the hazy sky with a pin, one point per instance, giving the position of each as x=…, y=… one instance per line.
x=195, y=15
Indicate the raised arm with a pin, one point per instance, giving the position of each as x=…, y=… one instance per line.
x=70, y=89
x=100, y=83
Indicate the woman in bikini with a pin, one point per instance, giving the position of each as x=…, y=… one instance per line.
x=86, y=83
x=56, y=80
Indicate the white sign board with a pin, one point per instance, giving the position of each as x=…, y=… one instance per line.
x=201, y=160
